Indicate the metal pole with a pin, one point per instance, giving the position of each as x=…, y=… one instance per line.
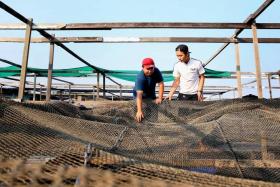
x=25, y=60
x=238, y=73
x=269, y=85
x=257, y=61
x=50, y=69
x=34, y=87
x=97, y=85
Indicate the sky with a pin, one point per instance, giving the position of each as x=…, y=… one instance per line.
x=128, y=56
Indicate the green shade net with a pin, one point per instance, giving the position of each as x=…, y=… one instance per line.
x=86, y=71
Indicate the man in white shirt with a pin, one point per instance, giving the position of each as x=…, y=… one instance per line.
x=189, y=75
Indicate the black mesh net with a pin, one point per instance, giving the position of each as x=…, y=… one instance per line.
x=178, y=143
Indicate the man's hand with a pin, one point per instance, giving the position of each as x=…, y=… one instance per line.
x=158, y=100
x=168, y=97
x=139, y=116
x=200, y=96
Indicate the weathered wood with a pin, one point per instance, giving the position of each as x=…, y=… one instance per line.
x=104, y=86
x=228, y=163
x=238, y=69
x=68, y=82
x=139, y=25
x=249, y=20
x=269, y=85
x=257, y=62
x=34, y=87
x=98, y=85
x=141, y=40
x=46, y=35
x=69, y=93
x=25, y=60
x=50, y=70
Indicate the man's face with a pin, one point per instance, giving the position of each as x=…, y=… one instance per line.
x=148, y=71
x=182, y=57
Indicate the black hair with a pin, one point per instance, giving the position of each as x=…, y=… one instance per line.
x=183, y=48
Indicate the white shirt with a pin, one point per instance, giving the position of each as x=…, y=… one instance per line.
x=189, y=75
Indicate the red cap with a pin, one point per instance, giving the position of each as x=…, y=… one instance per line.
x=148, y=62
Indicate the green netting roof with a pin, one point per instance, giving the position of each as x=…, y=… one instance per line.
x=86, y=71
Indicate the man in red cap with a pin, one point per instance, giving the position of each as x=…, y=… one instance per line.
x=145, y=86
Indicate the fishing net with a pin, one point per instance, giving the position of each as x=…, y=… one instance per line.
x=214, y=143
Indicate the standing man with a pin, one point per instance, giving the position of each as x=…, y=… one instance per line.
x=145, y=86
x=189, y=74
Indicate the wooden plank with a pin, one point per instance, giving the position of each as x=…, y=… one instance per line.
x=257, y=62
x=228, y=163
x=97, y=85
x=238, y=74
x=25, y=60
x=140, y=40
x=269, y=85
x=50, y=70
x=34, y=87
x=238, y=31
x=139, y=25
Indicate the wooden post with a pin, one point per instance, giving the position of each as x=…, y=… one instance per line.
x=1, y=91
x=61, y=95
x=50, y=69
x=69, y=91
x=120, y=92
x=34, y=87
x=257, y=61
x=97, y=85
x=93, y=93
x=238, y=73
x=269, y=85
x=25, y=60
x=40, y=92
x=104, y=94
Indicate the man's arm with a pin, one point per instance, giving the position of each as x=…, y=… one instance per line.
x=200, y=87
x=160, y=93
x=174, y=87
x=139, y=114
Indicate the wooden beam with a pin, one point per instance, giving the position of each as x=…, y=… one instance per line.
x=46, y=35
x=139, y=25
x=269, y=85
x=140, y=40
x=238, y=69
x=257, y=62
x=104, y=86
x=97, y=85
x=25, y=60
x=34, y=87
x=249, y=20
x=50, y=70
x=71, y=83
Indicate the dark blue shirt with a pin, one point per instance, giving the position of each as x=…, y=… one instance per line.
x=147, y=84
